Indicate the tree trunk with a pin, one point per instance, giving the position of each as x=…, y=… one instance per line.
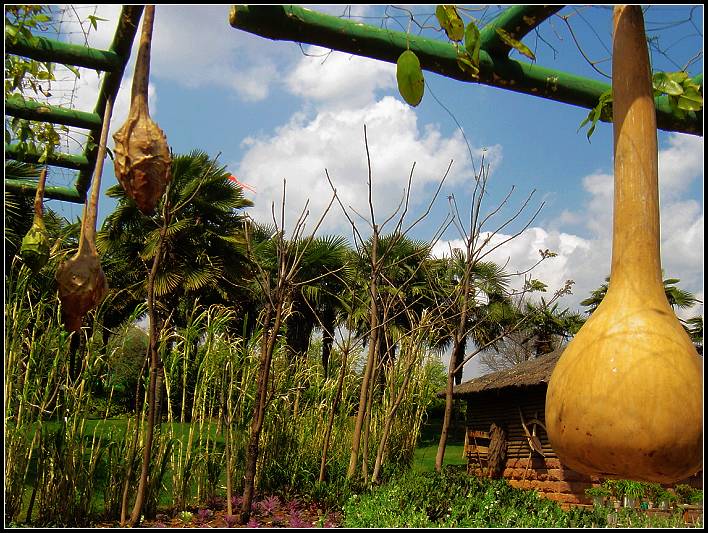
x=152, y=390
x=387, y=429
x=330, y=422
x=327, y=339
x=442, y=443
x=367, y=423
x=459, y=355
x=268, y=346
x=458, y=349
x=368, y=369
x=155, y=367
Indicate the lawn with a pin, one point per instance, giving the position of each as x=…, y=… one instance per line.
x=424, y=458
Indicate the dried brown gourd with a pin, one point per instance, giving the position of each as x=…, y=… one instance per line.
x=82, y=285
x=625, y=399
x=81, y=282
x=142, y=157
x=34, y=250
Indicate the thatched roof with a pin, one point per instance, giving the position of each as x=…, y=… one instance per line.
x=532, y=372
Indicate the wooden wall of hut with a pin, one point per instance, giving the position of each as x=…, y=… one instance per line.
x=525, y=468
x=502, y=407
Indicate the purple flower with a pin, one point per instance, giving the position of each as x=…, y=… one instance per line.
x=253, y=523
x=296, y=521
x=236, y=501
x=230, y=520
x=293, y=506
x=205, y=514
x=269, y=504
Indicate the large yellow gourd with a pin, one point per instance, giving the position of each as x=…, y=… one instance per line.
x=625, y=399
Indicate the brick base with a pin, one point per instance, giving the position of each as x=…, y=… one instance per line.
x=554, y=481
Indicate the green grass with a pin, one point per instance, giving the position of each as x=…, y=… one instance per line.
x=427, y=449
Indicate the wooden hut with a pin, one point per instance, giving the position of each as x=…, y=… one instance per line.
x=506, y=437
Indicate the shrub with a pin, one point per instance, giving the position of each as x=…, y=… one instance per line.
x=454, y=499
x=687, y=494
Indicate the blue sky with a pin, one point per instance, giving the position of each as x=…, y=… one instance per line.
x=273, y=112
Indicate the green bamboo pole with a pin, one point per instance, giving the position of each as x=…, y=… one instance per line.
x=55, y=192
x=16, y=106
x=44, y=49
x=114, y=60
x=279, y=22
x=517, y=21
x=72, y=161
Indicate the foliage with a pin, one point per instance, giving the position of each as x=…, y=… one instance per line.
x=454, y=499
x=601, y=491
x=687, y=494
x=25, y=79
x=683, y=94
x=409, y=76
x=126, y=353
x=201, y=246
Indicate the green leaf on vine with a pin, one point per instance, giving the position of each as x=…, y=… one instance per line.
x=664, y=84
x=451, y=22
x=409, y=76
x=473, y=42
x=603, y=110
x=691, y=99
x=466, y=65
x=517, y=45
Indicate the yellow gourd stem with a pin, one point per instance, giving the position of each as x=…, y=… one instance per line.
x=635, y=245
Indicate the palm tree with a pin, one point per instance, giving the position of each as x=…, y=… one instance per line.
x=694, y=326
x=547, y=326
x=402, y=286
x=321, y=279
x=490, y=308
x=203, y=255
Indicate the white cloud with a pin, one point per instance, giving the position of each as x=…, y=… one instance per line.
x=339, y=80
x=195, y=46
x=576, y=260
x=679, y=164
x=302, y=149
x=586, y=260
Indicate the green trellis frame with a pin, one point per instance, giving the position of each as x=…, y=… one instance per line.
x=112, y=62
x=288, y=22
x=302, y=25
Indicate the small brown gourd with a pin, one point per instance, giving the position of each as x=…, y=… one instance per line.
x=625, y=399
x=81, y=282
x=142, y=156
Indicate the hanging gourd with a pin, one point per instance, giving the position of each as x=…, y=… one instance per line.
x=35, y=245
x=142, y=157
x=81, y=282
x=625, y=399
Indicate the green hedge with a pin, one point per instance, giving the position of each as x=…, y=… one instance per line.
x=454, y=499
